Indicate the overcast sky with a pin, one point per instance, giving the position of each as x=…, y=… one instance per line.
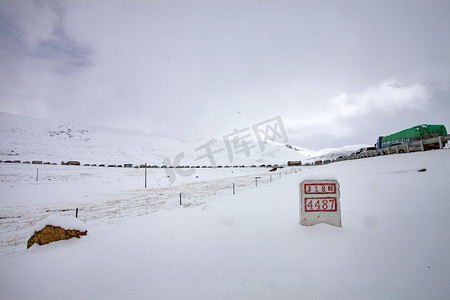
x=337, y=72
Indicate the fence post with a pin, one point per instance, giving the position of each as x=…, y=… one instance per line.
x=76, y=213
x=422, y=148
x=440, y=142
x=180, y=199
x=234, y=189
x=37, y=174
x=145, y=175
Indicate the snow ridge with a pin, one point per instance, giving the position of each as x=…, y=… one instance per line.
x=33, y=139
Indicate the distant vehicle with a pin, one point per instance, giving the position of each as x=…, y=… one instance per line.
x=294, y=163
x=416, y=133
x=362, y=150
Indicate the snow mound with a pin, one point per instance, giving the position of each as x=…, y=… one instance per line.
x=172, y=204
x=61, y=221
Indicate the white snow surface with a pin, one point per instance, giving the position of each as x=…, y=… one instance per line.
x=394, y=242
x=333, y=153
x=65, y=222
x=28, y=139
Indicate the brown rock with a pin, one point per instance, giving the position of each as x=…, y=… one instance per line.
x=52, y=233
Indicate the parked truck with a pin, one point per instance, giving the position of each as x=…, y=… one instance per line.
x=294, y=163
x=416, y=133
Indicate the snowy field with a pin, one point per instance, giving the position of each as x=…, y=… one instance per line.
x=31, y=193
x=394, y=242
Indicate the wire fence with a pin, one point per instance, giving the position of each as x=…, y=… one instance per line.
x=16, y=222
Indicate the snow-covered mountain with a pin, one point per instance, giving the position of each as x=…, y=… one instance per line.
x=327, y=153
x=334, y=153
x=24, y=138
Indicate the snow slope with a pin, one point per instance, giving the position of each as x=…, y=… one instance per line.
x=394, y=243
x=333, y=153
x=24, y=138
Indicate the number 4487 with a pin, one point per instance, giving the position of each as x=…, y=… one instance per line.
x=320, y=204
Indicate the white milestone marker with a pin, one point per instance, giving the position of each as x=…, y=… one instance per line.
x=319, y=202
